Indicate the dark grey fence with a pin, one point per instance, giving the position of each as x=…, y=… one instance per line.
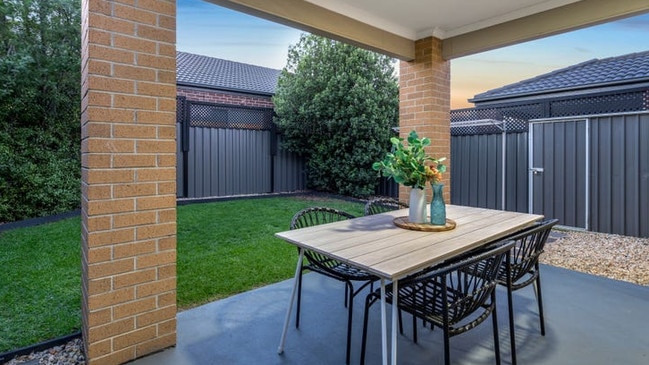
x=597, y=179
x=619, y=174
x=477, y=171
x=226, y=150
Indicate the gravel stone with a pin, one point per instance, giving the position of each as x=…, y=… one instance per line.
x=613, y=256
x=608, y=255
x=70, y=353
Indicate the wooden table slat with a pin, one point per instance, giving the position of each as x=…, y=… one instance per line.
x=375, y=244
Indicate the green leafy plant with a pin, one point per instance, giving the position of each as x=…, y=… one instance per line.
x=409, y=165
x=336, y=105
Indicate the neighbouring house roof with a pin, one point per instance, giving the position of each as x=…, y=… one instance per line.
x=215, y=73
x=595, y=75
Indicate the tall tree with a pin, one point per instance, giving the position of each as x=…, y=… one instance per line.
x=335, y=105
x=39, y=107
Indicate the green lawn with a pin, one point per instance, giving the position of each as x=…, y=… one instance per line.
x=224, y=248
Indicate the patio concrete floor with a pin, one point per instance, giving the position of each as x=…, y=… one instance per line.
x=589, y=320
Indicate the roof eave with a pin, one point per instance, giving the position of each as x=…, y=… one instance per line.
x=226, y=89
x=614, y=85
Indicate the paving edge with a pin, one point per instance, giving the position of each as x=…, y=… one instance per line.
x=7, y=356
x=39, y=220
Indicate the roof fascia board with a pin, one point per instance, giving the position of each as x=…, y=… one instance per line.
x=558, y=20
x=562, y=95
x=306, y=16
x=613, y=85
x=223, y=89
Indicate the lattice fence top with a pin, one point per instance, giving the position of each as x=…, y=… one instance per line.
x=514, y=118
x=207, y=115
x=180, y=108
x=602, y=104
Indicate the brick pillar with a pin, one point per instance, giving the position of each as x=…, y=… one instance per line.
x=128, y=178
x=424, y=103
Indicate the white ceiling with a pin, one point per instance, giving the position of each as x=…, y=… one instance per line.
x=416, y=19
x=464, y=26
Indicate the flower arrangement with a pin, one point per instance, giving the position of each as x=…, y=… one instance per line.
x=409, y=165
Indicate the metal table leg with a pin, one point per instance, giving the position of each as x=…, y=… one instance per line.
x=280, y=350
x=384, y=335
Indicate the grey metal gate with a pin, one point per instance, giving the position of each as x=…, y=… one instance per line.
x=558, y=174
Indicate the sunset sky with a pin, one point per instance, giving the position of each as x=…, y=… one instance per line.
x=210, y=30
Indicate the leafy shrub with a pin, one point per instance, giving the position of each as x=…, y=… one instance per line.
x=39, y=107
x=335, y=105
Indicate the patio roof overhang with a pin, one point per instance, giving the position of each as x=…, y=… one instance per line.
x=464, y=26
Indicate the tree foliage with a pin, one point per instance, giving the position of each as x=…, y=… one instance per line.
x=335, y=105
x=39, y=107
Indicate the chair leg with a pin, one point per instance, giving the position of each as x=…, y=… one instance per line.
x=299, y=300
x=347, y=294
x=539, y=298
x=512, y=334
x=368, y=303
x=510, y=305
x=447, y=349
x=350, y=311
x=495, y=329
x=414, y=328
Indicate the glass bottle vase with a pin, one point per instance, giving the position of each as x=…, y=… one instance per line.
x=437, y=206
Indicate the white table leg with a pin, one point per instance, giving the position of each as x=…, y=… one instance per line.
x=384, y=334
x=290, y=304
x=395, y=309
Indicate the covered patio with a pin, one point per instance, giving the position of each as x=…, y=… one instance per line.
x=589, y=320
x=128, y=158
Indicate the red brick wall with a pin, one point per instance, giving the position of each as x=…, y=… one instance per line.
x=425, y=103
x=219, y=97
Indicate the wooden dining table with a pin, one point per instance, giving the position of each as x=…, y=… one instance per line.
x=376, y=244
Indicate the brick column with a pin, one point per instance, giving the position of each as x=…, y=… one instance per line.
x=424, y=103
x=128, y=178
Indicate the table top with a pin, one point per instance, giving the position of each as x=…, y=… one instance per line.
x=376, y=245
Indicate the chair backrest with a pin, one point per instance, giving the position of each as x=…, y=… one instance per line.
x=315, y=216
x=318, y=215
x=465, y=284
x=382, y=205
x=528, y=246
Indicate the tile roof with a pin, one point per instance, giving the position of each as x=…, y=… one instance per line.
x=611, y=71
x=215, y=73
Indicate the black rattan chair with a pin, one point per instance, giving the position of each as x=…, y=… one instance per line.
x=524, y=269
x=455, y=296
x=382, y=205
x=329, y=267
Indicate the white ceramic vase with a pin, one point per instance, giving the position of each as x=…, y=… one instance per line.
x=417, y=210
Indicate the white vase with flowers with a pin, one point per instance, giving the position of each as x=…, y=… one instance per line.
x=409, y=165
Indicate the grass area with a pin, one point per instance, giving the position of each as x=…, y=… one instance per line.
x=224, y=248
x=40, y=283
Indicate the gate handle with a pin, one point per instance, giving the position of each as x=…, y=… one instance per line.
x=537, y=170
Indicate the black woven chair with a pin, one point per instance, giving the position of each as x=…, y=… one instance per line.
x=455, y=296
x=524, y=269
x=329, y=267
x=382, y=205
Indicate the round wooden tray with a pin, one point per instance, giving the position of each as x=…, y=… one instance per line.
x=402, y=222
